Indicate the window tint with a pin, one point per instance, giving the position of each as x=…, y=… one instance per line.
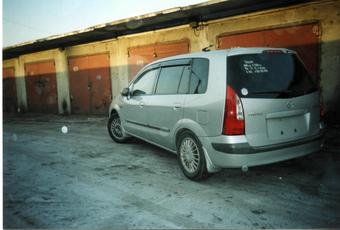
x=144, y=84
x=269, y=76
x=185, y=80
x=169, y=79
x=199, y=75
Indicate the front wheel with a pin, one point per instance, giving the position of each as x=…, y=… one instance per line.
x=191, y=157
x=114, y=127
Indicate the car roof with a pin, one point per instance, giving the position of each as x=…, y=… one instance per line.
x=224, y=52
x=215, y=54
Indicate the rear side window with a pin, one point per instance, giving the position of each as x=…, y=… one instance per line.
x=268, y=76
x=199, y=76
x=169, y=79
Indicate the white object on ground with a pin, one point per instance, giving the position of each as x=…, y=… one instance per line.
x=64, y=129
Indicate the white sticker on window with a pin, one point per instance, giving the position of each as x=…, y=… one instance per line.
x=250, y=67
x=244, y=91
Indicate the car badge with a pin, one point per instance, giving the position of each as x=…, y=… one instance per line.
x=290, y=105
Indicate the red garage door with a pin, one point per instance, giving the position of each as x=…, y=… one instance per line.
x=303, y=38
x=141, y=56
x=9, y=91
x=41, y=87
x=90, y=84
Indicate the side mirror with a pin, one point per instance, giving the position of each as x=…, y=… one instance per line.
x=125, y=92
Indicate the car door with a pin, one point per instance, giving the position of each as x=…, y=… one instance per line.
x=133, y=108
x=165, y=107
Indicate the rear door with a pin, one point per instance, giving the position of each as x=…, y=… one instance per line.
x=165, y=107
x=279, y=97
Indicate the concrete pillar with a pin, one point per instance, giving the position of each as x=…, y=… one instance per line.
x=200, y=39
x=63, y=89
x=19, y=68
x=114, y=70
x=119, y=68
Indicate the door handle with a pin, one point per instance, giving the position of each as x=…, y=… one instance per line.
x=141, y=104
x=177, y=106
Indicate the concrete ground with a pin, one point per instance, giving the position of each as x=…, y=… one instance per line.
x=83, y=180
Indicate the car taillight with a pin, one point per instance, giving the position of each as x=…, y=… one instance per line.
x=233, y=123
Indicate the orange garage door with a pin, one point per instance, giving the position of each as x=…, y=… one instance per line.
x=41, y=87
x=90, y=84
x=143, y=55
x=303, y=38
x=9, y=99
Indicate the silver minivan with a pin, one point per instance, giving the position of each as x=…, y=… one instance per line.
x=232, y=108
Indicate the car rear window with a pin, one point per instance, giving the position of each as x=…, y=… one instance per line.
x=267, y=75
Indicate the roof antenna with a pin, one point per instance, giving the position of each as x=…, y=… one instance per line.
x=206, y=49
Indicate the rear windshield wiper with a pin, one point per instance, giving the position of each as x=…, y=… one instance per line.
x=272, y=92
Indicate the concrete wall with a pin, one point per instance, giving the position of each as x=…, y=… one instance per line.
x=326, y=13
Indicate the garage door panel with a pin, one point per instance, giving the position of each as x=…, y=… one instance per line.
x=99, y=81
x=166, y=50
x=9, y=90
x=78, y=91
x=100, y=93
x=141, y=56
x=41, y=87
x=90, y=84
x=292, y=36
x=303, y=39
x=138, y=58
x=33, y=89
x=242, y=40
x=78, y=72
x=142, y=51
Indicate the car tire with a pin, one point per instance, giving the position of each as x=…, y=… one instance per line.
x=191, y=157
x=116, y=132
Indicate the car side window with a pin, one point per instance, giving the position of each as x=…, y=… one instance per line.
x=144, y=84
x=169, y=79
x=199, y=76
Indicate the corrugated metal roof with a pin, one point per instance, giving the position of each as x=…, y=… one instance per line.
x=159, y=20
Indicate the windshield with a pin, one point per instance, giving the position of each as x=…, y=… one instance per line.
x=268, y=75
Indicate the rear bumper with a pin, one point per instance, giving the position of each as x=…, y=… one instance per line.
x=245, y=148
x=232, y=155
